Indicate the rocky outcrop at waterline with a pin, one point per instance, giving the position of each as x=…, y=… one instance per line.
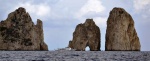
x=121, y=34
x=86, y=34
x=18, y=32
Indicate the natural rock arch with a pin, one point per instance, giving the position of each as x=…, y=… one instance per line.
x=86, y=34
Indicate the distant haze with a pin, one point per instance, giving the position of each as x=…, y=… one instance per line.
x=60, y=17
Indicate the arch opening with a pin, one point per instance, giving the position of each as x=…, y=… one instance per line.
x=87, y=48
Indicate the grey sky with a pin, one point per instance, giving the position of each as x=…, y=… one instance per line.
x=60, y=17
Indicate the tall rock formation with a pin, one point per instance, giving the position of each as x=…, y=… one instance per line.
x=86, y=34
x=18, y=32
x=121, y=34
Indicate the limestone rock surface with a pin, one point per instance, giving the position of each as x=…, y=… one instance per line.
x=18, y=32
x=121, y=33
x=86, y=34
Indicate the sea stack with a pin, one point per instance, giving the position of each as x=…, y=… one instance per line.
x=121, y=34
x=18, y=32
x=86, y=34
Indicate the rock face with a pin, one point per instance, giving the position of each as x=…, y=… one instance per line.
x=86, y=34
x=120, y=33
x=18, y=32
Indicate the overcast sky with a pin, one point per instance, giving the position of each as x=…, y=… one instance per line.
x=60, y=17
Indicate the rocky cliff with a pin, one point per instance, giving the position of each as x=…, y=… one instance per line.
x=121, y=33
x=18, y=32
x=86, y=34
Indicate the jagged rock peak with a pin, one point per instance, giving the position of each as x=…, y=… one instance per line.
x=21, y=10
x=18, y=32
x=86, y=34
x=120, y=32
x=19, y=14
x=89, y=22
x=118, y=10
